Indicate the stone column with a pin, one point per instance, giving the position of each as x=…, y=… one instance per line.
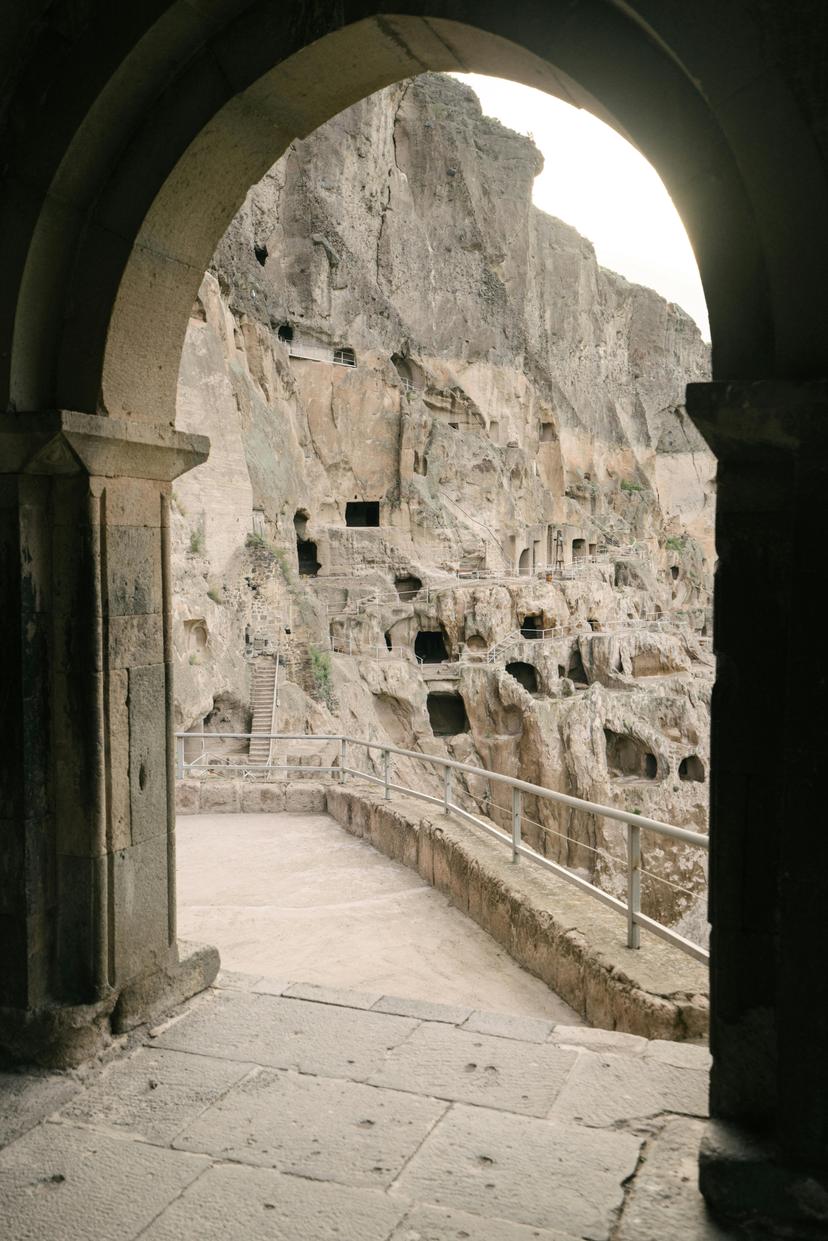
x=766, y=1152
x=87, y=874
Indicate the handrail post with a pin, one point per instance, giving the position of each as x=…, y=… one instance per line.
x=179, y=757
x=386, y=757
x=517, y=810
x=343, y=754
x=633, y=884
x=446, y=789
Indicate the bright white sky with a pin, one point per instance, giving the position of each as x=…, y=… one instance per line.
x=596, y=181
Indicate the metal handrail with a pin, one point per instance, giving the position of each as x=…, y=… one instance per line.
x=635, y=823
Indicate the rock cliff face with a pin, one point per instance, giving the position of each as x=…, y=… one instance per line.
x=408, y=373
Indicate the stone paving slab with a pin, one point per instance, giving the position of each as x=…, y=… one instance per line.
x=64, y=1183
x=510, y=1025
x=453, y=1015
x=28, y=1098
x=289, y=1034
x=593, y=1038
x=154, y=1093
x=606, y=1090
x=426, y=1223
x=524, y=1170
x=665, y=1200
x=315, y=1127
x=457, y=1064
x=232, y=1203
x=331, y=995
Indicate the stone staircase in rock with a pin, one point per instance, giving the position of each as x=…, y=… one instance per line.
x=263, y=695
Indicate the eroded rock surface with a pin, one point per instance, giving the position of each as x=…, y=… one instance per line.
x=391, y=334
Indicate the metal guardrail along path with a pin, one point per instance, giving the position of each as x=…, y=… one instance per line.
x=635, y=823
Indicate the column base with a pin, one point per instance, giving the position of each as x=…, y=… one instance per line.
x=745, y=1185
x=66, y=1036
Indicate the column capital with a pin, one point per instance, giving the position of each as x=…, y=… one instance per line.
x=63, y=441
x=757, y=421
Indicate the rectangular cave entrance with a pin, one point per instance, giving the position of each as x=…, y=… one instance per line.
x=362, y=513
x=309, y=566
x=430, y=646
x=447, y=715
x=579, y=550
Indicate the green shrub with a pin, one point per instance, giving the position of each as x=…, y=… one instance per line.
x=195, y=660
x=675, y=543
x=197, y=542
x=215, y=593
x=628, y=485
x=255, y=540
x=321, y=672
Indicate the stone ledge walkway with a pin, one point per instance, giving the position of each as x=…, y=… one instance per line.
x=263, y=1110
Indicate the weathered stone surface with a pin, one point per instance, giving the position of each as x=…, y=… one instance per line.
x=510, y=1025
x=522, y=1169
x=290, y=1034
x=78, y=1184
x=604, y=1089
x=261, y=1205
x=28, y=1098
x=154, y=1093
x=305, y=797
x=329, y=995
x=422, y=1009
x=335, y=1130
x=425, y=1223
x=475, y=1068
x=184, y=974
x=593, y=1038
x=665, y=1200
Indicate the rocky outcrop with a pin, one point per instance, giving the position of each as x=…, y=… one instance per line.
x=392, y=334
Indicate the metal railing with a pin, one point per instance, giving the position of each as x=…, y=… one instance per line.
x=513, y=839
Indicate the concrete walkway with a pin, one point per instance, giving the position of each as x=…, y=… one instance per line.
x=260, y=1115
x=295, y=896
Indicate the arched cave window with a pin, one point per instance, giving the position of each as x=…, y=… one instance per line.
x=344, y=356
x=285, y=332
x=561, y=671
x=579, y=550
x=309, y=566
x=525, y=674
x=525, y=562
x=691, y=768
x=362, y=513
x=532, y=626
x=547, y=432
x=196, y=631
x=300, y=522
x=627, y=758
x=388, y=641
x=476, y=642
x=430, y=646
x=447, y=715
x=674, y=571
x=407, y=585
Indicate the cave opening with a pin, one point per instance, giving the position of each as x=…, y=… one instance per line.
x=389, y=644
x=532, y=626
x=344, y=356
x=579, y=550
x=575, y=669
x=407, y=585
x=547, y=432
x=309, y=566
x=674, y=572
x=447, y=715
x=627, y=758
x=430, y=646
x=525, y=562
x=691, y=768
x=362, y=513
x=285, y=333
x=525, y=674
x=260, y=252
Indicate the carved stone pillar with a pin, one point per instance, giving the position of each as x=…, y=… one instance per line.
x=766, y=1153
x=87, y=866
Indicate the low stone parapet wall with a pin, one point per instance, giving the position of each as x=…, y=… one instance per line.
x=576, y=945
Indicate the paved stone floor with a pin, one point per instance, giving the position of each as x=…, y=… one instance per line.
x=295, y=896
x=262, y=1111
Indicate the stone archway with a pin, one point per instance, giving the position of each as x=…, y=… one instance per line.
x=137, y=131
